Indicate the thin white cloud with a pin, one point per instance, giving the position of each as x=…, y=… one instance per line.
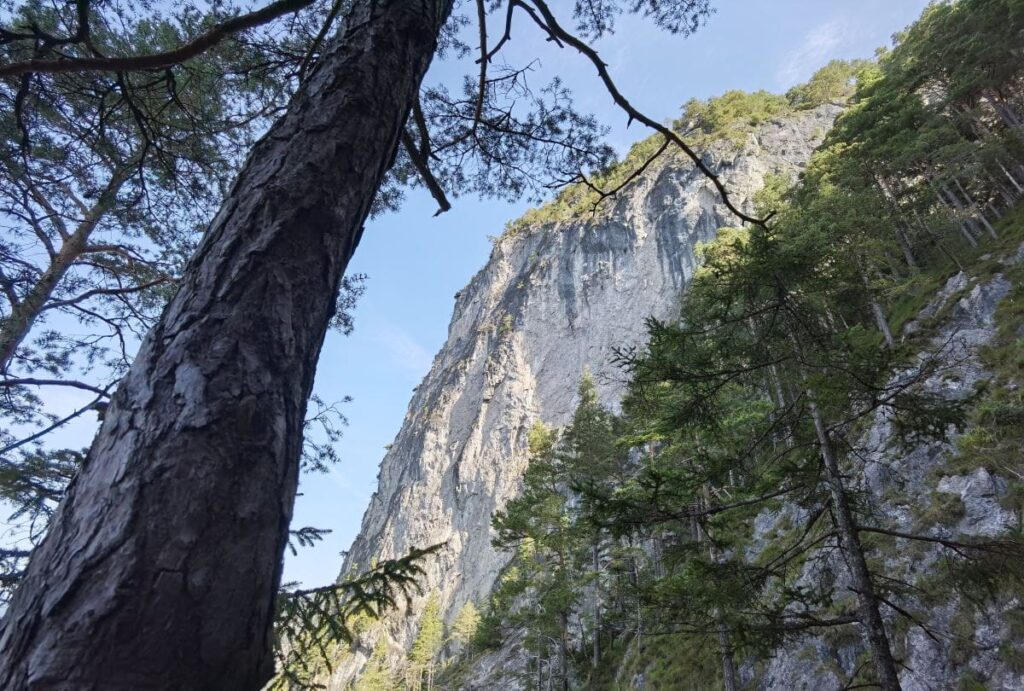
x=339, y=478
x=818, y=46
x=405, y=352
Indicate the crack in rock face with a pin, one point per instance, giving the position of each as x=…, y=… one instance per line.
x=551, y=303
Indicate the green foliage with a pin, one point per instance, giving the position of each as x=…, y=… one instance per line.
x=378, y=676
x=579, y=199
x=507, y=325
x=835, y=84
x=553, y=539
x=730, y=116
x=726, y=118
x=667, y=662
x=488, y=634
x=942, y=508
x=466, y=625
x=970, y=683
x=996, y=430
x=32, y=485
x=429, y=639
x=1011, y=651
x=311, y=624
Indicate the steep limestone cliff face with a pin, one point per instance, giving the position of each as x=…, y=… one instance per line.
x=551, y=303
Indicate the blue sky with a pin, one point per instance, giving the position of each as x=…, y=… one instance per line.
x=416, y=262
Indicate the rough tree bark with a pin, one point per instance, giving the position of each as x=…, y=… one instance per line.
x=162, y=562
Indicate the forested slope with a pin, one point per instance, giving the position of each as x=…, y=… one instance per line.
x=814, y=478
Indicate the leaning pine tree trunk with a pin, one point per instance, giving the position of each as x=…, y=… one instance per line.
x=852, y=549
x=853, y=553
x=161, y=566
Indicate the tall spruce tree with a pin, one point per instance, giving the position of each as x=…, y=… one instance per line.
x=787, y=345
x=559, y=550
x=540, y=525
x=422, y=659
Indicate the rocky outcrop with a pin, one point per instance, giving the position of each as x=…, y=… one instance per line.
x=964, y=644
x=552, y=302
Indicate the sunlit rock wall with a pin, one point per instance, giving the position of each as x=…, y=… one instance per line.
x=552, y=302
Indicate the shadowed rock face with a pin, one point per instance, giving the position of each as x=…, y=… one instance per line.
x=551, y=303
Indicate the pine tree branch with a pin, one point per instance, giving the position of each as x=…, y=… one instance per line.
x=423, y=168
x=6, y=383
x=105, y=291
x=307, y=59
x=637, y=172
x=560, y=35
x=59, y=423
x=161, y=60
x=1011, y=547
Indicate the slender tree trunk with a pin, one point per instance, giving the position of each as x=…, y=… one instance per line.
x=639, y=614
x=1010, y=177
x=25, y=313
x=1005, y=113
x=899, y=219
x=964, y=213
x=964, y=230
x=783, y=435
x=908, y=252
x=1009, y=198
x=878, y=312
x=775, y=386
x=658, y=551
x=977, y=125
x=597, y=606
x=728, y=663
x=563, y=648
x=978, y=211
x=162, y=564
x=853, y=552
x=724, y=644
x=883, y=323
x=937, y=241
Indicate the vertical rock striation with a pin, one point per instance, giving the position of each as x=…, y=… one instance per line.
x=551, y=302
